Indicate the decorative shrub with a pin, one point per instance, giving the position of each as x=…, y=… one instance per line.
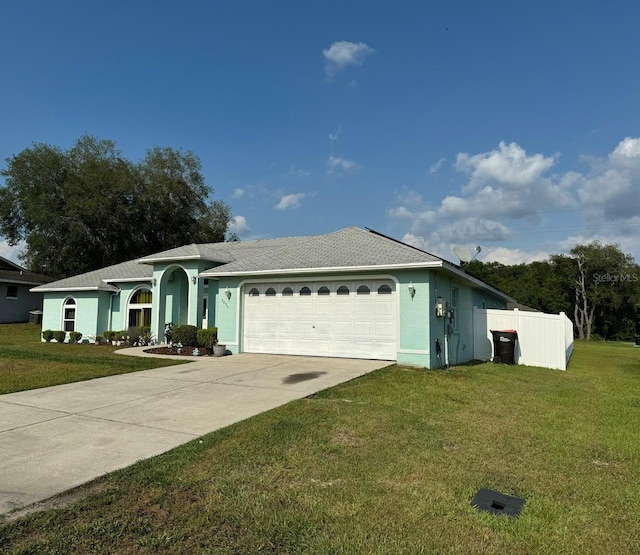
x=187, y=335
x=75, y=337
x=47, y=335
x=60, y=336
x=138, y=336
x=207, y=337
x=100, y=340
x=109, y=336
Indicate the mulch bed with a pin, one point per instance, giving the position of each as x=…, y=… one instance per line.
x=186, y=351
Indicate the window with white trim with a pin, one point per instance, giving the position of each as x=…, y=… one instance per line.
x=140, y=307
x=69, y=315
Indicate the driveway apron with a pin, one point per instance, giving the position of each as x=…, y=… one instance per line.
x=56, y=438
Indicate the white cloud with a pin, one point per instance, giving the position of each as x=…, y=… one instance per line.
x=238, y=193
x=290, y=201
x=507, y=188
x=612, y=187
x=627, y=148
x=341, y=166
x=436, y=167
x=513, y=256
x=333, y=137
x=343, y=54
x=239, y=225
x=297, y=173
x=508, y=165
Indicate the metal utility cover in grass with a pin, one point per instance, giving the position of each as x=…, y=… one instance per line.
x=497, y=503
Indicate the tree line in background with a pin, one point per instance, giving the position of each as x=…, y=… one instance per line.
x=88, y=207
x=596, y=285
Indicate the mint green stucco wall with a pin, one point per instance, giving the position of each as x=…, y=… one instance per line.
x=457, y=347
x=89, y=304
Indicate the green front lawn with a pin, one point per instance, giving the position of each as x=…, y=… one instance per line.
x=387, y=463
x=28, y=363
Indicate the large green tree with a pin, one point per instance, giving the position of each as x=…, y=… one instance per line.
x=88, y=206
x=596, y=285
x=605, y=288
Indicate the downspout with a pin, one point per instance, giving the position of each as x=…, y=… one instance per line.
x=111, y=307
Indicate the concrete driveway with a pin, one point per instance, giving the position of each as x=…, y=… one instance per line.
x=55, y=438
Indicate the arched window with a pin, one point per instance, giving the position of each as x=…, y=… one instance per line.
x=140, y=307
x=384, y=290
x=324, y=290
x=254, y=293
x=343, y=290
x=287, y=292
x=271, y=292
x=363, y=290
x=305, y=291
x=69, y=315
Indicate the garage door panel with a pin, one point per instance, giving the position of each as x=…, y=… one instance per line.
x=365, y=329
x=361, y=326
x=304, y=346
x=324, y=309
x=304, y=309
x=343, y=329
x=385, y=330
x=343, y=308
x=324, y=329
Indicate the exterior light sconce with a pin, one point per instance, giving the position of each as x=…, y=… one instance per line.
x=194, y=279
x=412, y=290
x=154, y=282
x=227, y=293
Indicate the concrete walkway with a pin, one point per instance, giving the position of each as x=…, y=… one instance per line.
x=56, y=438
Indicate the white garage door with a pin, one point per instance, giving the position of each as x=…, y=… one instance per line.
x=354, y=319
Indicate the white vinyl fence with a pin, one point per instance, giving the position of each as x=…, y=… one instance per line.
x=543, y=339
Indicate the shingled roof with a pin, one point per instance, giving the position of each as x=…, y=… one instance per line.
x=97, y=279
x=349, y=248
x=13, y=273
x=221, y=252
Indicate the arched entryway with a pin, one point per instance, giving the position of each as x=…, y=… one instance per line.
x=174, y=296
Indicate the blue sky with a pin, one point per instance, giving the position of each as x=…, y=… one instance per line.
x=510, y=125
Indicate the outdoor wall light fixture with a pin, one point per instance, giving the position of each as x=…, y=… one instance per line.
x=227, y=293
x=194, y=279
x=412, y=290
x=154, y=282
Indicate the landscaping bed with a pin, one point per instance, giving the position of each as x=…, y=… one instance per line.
x=185, y=351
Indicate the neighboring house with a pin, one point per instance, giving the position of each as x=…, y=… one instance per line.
x=16, y=299
x=351, y=293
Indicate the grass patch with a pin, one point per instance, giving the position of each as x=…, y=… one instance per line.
x=28, y=363
x=387, y=463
